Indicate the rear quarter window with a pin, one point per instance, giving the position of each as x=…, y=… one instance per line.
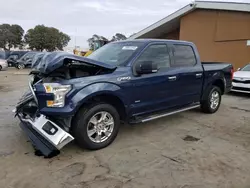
x=183, y=56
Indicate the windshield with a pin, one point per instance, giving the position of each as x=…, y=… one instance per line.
x=36, y=60
x=116, y=54
x=246, y=68
x=28, y=55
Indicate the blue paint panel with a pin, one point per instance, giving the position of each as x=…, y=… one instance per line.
x=140, y=94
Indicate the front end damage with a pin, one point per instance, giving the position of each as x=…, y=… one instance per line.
x=46, y=111
x=46, y=136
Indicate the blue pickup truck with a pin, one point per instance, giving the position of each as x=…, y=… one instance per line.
x=86, y=99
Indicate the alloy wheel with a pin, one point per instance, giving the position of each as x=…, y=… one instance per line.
x=100, y=127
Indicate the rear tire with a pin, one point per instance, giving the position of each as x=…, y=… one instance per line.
x=212, y=100
x=0, y=67
x=83, y=121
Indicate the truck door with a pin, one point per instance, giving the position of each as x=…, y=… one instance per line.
x=151, y=91
x=187, y=74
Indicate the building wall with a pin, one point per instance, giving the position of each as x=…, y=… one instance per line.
x=219, y=35
x=174, y=35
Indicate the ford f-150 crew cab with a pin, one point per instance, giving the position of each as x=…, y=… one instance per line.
x=85, y=99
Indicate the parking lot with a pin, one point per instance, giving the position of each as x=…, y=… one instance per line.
x=186, y=150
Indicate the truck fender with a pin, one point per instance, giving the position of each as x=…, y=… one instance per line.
x=217, y=81
x=96, y=89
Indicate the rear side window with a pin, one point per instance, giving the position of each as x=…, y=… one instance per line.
x=184, y=56
x=157, y=53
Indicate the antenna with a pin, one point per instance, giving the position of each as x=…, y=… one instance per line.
x=75, y=36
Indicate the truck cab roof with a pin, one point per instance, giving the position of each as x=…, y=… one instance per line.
x=147, y=41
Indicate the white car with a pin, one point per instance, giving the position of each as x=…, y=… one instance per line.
x=241, y=80
x=3, y=64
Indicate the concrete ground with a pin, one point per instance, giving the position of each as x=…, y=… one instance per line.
x=214, y=153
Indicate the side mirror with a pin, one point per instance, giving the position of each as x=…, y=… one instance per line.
x=146, y=67
x=238, y=69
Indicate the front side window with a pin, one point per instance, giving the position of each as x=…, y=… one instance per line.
x=157, y=54
x=184, y=56
x=28, y=56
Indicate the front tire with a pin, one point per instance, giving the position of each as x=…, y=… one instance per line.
x=20, y=66
x=96, y=127
x=212, y=100
x=0, y=67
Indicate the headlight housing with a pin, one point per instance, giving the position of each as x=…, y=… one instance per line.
x=59, y=92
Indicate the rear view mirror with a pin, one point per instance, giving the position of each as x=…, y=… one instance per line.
x=146, y=67
x=238, y=69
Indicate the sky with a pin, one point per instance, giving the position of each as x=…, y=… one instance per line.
x=82, y=18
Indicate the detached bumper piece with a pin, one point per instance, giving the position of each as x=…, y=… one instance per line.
x=46, y=137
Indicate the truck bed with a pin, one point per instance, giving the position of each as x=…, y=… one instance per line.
x=213, y=68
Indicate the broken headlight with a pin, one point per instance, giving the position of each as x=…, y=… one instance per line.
x=59, y=92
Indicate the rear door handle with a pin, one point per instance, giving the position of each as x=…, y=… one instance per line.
x=172, y=78
x=198, y=75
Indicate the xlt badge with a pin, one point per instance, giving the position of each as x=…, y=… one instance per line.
x=123, y=78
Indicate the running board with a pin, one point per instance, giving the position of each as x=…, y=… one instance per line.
x=156, y=116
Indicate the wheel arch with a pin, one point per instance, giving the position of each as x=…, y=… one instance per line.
x=108, y=98
x=98, y=93
x=220, y=84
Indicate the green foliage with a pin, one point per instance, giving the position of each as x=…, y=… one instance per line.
x=118, y=36
x=46, y=38
x=97, y=41
x=11, y=36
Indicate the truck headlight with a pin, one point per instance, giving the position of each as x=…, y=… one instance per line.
x=59, y=92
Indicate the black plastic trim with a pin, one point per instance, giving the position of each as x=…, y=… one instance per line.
x=40, y=144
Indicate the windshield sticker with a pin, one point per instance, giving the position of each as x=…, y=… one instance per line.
x=129, y=47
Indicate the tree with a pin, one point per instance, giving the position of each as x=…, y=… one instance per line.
x=100, y=40
x=118, y=36
x=91, y=43
x=96, y=40
x=46, y=38
x=11, y=36
x=64, y=40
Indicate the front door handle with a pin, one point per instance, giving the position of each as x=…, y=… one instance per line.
x=172, y=78
x=198, y=75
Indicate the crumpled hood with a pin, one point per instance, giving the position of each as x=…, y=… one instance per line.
x=55, y=60
x=242, y=74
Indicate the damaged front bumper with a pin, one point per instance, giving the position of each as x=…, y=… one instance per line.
x=46, y=136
